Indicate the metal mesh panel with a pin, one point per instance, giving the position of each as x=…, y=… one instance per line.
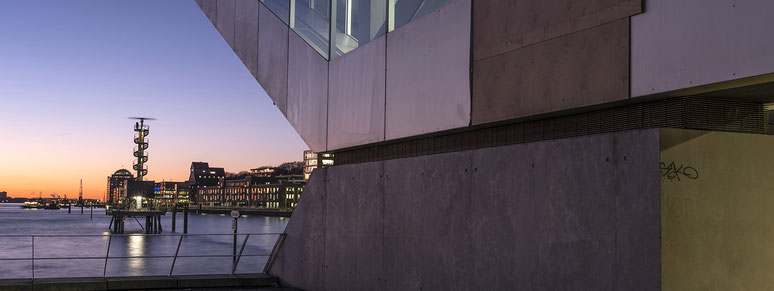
x=683, y=112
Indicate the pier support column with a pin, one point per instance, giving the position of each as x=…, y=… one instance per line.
x=185, y=219
x=118, y=225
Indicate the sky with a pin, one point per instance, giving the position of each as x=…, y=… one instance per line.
x=71, y=72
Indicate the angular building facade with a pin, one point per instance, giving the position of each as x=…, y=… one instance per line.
x=528, y=145
x=205, y=177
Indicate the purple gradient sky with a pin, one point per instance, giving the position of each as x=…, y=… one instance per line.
x=72, y=71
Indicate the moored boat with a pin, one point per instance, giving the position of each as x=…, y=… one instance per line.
x=32, y=204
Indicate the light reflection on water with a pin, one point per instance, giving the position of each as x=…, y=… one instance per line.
x=136, y=248
x=14, y=220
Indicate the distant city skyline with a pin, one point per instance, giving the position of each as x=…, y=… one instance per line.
x=72, y=72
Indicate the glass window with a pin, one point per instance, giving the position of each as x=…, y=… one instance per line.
x=311, y=20
x=357, y=22
x=405, y=11
x=281, y=8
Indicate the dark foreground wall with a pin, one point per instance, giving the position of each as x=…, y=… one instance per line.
x=578, y=214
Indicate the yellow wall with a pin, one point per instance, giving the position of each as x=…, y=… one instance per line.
x=717, y=222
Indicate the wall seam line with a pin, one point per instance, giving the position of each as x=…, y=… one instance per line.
x=549, y=39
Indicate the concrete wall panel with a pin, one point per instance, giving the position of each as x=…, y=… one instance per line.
x=355, y=234
x=210, y=8
x=272, y=68
x=502, y=26
x=307, y=93
x=716, y=220
x=638, y=247
x=301, y=260
x=356, y=110
x=226, y=19
x=246, y=34
x=580, y=69
x=427, y=223
x=578, y=213
x=428, y=73
x=508, y=259
x=684, y=44
x=548, y=215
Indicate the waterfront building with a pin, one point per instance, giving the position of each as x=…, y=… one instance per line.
x=202, y=175
x=116, y=185
x=139, y=194
x=313, y=161
x=3, y=195
x=169, y=194
x=263, y=171
x=278, y=192
x=521, y=145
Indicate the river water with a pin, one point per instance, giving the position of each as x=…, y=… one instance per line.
x=17, y=221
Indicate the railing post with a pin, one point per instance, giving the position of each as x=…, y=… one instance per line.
x=175, y=258
x=244, y=243
x=107, y=254
x=234, y=258
x=33, y=257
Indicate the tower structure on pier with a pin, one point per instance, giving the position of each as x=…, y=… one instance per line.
x=140, y=138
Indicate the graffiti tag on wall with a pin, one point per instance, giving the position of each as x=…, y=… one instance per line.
x=674, y=172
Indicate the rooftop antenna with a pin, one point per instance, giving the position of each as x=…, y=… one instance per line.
x=140, y=139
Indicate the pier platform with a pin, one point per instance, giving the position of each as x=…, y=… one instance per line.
x=134, y=213
x=256, y=281
x=152, y=219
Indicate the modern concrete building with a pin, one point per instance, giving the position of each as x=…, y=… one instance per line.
x=521, y=145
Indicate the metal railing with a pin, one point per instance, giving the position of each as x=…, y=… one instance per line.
x=235, y=256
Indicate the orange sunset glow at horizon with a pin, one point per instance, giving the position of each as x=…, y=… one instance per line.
x=66, y=93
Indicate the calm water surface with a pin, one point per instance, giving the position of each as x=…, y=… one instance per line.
x=17, y=221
